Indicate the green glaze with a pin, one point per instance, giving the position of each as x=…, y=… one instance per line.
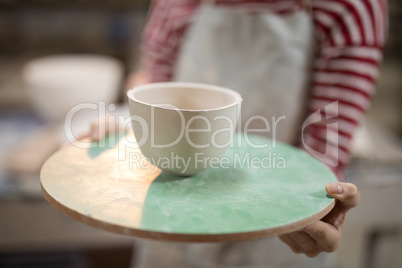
x=235, y=199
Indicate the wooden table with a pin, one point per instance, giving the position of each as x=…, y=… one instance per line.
x=251, y=193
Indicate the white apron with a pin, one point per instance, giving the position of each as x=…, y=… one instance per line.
x=267, y=58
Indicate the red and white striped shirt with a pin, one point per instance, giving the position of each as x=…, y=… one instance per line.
x=350, y=35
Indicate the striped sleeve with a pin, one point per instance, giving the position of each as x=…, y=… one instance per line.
x=350, y=35
x=167, y=23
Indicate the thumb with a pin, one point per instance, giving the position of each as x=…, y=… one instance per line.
x=346, y=194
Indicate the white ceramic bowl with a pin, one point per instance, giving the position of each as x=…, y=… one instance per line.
x=183, y=128
x=57, y=83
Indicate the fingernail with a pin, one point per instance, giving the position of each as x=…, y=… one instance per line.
x=334, y=188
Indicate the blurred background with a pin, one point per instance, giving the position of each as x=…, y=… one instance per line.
x=34, y=234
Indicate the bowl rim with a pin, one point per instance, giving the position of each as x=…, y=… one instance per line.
x=237, y=96
x=29, y=71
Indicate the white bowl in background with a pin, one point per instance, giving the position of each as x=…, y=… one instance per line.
x=57, y=83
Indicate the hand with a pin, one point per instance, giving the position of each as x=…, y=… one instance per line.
x=105, y=125
x=101, y=127
x=137, y=79
x=325, y=235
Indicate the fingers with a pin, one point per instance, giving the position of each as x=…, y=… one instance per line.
x=288, y=240
x=82, y=136
x=346, y=194
x=314, y=239
x=94, y=130
x=101, y=127
x=136, y=79
x=327, y=237
x=304, y=243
